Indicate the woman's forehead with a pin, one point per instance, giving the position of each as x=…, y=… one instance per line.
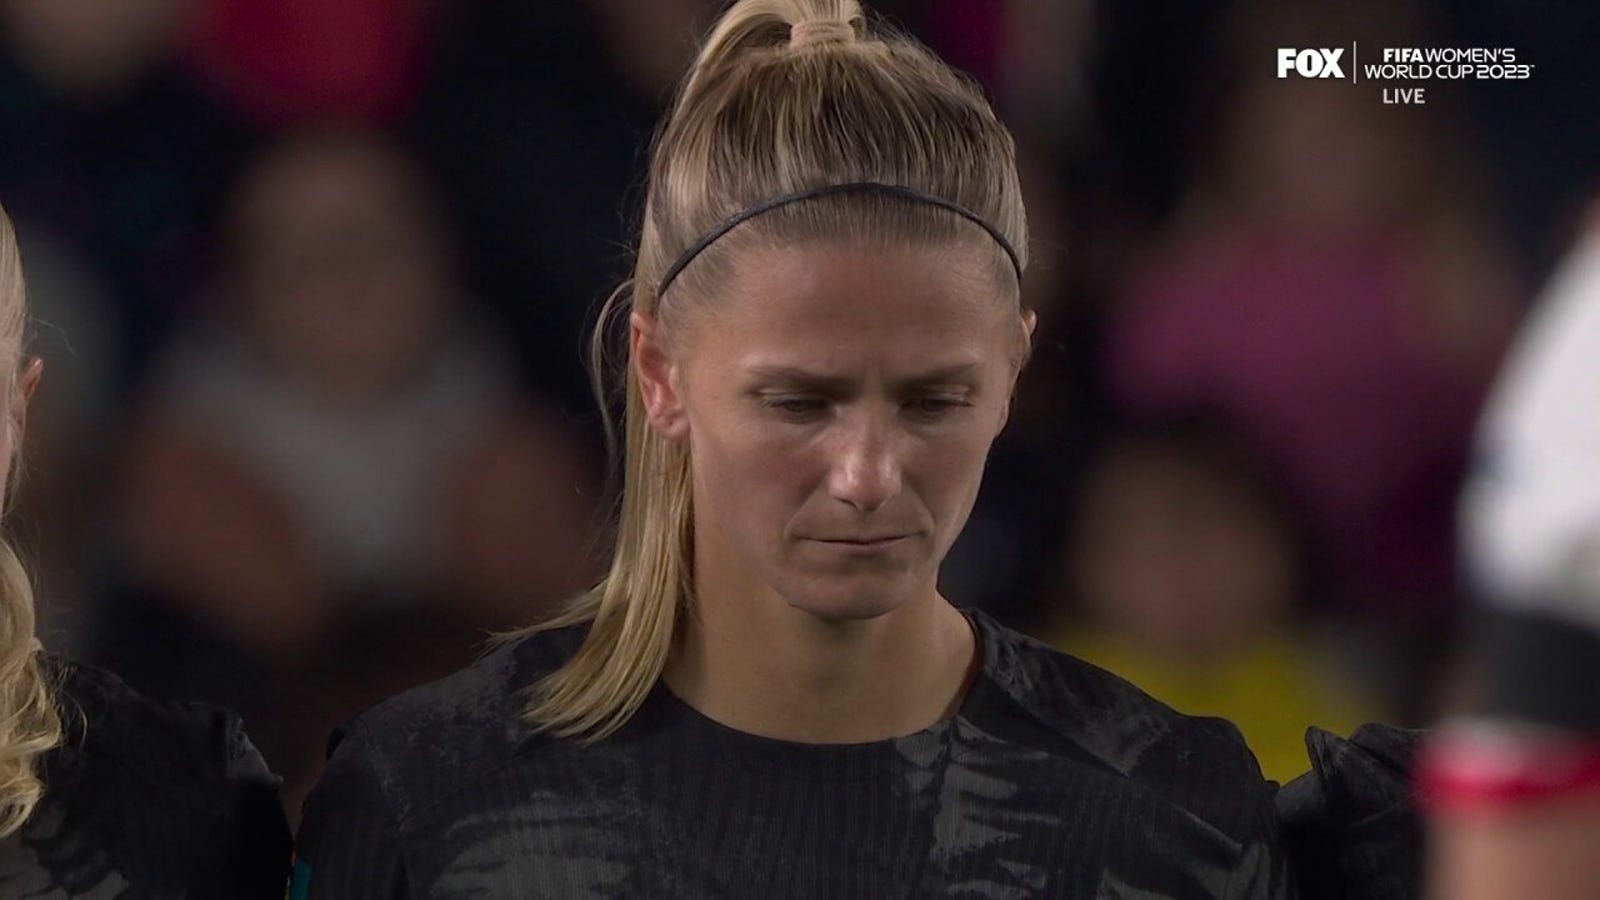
x=836, y=310
x=858, y=285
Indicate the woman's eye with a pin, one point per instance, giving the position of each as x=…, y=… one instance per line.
x=934, y=407
x=794, y=407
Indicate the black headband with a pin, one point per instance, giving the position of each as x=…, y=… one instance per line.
x=854, y=187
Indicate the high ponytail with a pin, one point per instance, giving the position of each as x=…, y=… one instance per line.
x=785, y=97
x=771, y=24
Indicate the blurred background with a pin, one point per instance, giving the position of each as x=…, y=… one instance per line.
x=312, y=280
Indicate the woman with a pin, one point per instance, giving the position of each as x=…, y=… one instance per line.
x=102, y=792
x=767, y=695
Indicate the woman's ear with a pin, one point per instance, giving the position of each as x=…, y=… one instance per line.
x=658, y=378
x=27, y=383
x=1030, y=322
x=1024, y=349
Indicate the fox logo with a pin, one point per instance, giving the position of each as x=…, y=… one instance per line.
x=1318, y=63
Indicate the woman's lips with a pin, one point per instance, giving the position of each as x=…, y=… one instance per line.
x=866, y=543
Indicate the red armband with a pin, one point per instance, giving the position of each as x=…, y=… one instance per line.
x=1489, y=769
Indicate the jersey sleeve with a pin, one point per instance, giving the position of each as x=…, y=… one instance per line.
x=349, y=846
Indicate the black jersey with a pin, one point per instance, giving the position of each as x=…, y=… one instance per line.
x=1055, y=779
x=146, y=801
x=1350, y=823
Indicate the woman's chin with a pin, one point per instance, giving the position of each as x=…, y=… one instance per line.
x=864, y=599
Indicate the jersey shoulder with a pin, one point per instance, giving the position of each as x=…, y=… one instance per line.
x=163, y=795
x=423, y=743
x=1198, y=763
x=192, y=748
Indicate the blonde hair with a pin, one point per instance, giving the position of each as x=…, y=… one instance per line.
x=29, y=722
x=785, y=96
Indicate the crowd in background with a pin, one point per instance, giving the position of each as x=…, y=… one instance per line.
x=313, y=279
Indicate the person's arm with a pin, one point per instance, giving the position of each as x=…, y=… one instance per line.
x=1513, y=791
x=1544, y=850
x=1512, y=786
x=1515, y=814
x=349, y=844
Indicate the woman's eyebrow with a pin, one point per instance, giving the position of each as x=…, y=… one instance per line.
x=954, y=372
x=948, y=374
x=800, y=377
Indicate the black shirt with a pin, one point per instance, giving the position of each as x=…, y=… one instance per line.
x=146, y=801
x=1055, y=779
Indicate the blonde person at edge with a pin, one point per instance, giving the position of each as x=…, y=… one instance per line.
x=767, y=696
x=104, y=793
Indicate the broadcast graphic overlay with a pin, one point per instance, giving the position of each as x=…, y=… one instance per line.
x=1404, y=75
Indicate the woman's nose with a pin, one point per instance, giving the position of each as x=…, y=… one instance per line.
x=866, y=469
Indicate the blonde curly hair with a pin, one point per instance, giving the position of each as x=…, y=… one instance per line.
x=30, y=725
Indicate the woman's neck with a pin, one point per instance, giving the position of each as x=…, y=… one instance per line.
x=762, y=666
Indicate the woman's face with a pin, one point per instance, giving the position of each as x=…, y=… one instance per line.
x=838, y=402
